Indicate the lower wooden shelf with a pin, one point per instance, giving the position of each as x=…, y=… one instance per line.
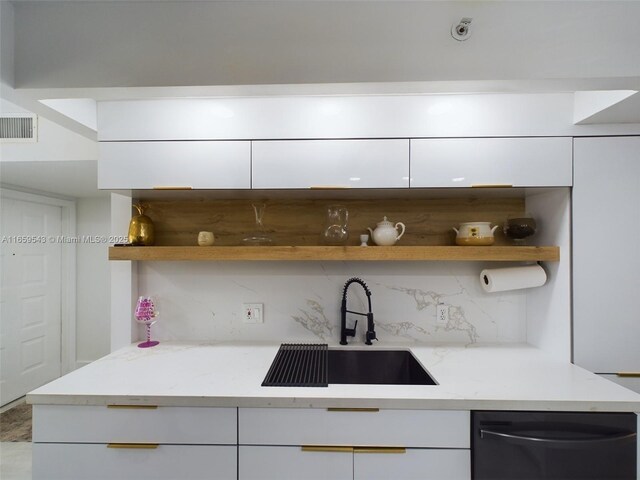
x=326, y=253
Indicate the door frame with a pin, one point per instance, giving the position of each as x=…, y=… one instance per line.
x=67, y=271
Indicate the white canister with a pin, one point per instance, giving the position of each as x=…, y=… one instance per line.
x=205, y=239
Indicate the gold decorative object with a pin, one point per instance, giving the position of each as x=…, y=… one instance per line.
x=141, y=228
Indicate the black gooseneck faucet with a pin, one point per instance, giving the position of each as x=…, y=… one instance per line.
x=351, y=332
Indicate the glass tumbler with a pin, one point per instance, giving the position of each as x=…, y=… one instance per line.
x=335, y=230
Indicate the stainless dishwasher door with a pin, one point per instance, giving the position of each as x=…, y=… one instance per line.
x=553, y=445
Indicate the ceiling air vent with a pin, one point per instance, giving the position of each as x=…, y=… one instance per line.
x=18, y=129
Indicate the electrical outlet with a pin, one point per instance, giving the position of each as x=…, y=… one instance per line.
x=442, y=313
x=252, y=313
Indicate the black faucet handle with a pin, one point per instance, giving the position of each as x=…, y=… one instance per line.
x=370, y=335
x=351, y=332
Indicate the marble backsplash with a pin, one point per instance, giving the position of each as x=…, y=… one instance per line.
x=203, y=301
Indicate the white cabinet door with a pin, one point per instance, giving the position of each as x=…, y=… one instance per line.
x=414, y=464
x=333, y=163
x=467, y=162
x=78, y=461
x=606, y=254
x=292, y=463
x=147, y=165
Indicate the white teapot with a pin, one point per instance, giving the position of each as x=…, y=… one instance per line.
x=475, y=233
x=386, y=233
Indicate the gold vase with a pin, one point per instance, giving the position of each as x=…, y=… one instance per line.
x=141, y=228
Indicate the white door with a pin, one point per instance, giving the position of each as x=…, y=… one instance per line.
x=29, y=297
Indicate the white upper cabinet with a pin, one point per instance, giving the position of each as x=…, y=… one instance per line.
x=194, y=164
x=606, y=255
x=468, y=162
x=331, y=163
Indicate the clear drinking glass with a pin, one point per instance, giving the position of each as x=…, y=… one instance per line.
x=259, y=236
x=335, y=230
x=147, y=314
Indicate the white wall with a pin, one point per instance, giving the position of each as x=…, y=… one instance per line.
x=123, y=278
x=93, y=303
x=7, y=20
x=55, y=143
x=549, y=307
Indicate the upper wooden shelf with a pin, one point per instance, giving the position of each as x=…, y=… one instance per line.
x=372, y=253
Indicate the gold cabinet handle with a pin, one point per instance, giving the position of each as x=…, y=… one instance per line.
x=379, y=450
x=326, y=448
x=172, y=187
x=628, y=374
x=148, y=446
x=373, y=410
x=491, y=185
x=134, y=407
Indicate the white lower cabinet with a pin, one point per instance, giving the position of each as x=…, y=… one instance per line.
x=358, y=444
x=78, y=461
x=134, y=442
x=413, y=464
x=260, y=462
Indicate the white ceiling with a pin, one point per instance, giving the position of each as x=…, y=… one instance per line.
x=183, y=43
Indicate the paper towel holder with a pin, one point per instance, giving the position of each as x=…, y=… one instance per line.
x=530, y=275
x=485, y=279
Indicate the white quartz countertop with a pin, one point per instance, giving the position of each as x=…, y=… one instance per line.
x=496, y=377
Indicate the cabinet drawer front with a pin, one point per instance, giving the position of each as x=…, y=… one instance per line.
x=52, y=461
x=407, y=428
x=632, y=383
x=291, y=463
x=145, y=165
x=414, y=464
x=67, y=423
x=467, y=162
x=332, y=163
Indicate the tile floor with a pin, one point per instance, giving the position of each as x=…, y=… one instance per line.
x=15, y=460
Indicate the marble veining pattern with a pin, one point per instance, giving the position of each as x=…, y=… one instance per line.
x=202, y=301
x=314, y=320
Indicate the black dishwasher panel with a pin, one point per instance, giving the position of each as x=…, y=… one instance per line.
x=553, y=446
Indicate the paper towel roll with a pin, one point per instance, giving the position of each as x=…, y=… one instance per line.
x=513, y=278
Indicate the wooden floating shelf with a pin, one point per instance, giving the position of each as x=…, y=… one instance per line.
x=325, y=253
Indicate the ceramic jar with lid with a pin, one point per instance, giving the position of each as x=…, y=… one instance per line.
x=475, y=233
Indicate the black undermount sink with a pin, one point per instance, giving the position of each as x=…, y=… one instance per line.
x=314, y=365
x=378, y=367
